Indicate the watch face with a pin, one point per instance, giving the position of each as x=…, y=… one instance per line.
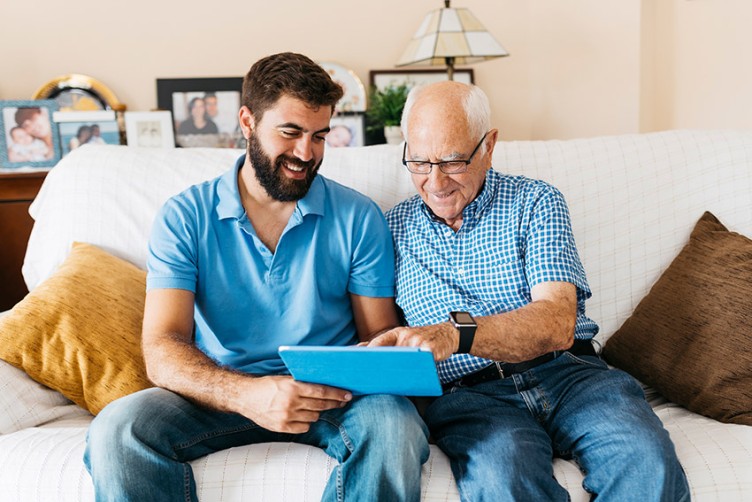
x=463, y=318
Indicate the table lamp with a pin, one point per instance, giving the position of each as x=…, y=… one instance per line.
x=451, y=36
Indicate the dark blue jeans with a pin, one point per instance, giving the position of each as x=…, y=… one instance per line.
x=501, y=436
x=138, y=447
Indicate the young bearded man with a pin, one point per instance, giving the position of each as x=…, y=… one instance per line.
x=267, y=254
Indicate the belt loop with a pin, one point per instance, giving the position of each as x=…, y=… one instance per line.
x=498, y=368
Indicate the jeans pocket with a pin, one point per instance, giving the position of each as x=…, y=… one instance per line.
x=592, y=361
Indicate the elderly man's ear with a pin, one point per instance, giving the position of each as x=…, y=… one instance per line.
x=491, y=138
x=493, y=135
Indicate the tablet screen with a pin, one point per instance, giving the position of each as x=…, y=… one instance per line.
x=403, y=371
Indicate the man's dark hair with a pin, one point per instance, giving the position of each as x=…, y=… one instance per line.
x=289, y=74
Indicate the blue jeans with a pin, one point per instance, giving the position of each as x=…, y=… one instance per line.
x=501, y=436
x=138, y=447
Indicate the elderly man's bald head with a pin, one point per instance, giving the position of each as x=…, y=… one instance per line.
x=464, y=105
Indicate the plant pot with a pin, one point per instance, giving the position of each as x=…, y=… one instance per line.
x=393, y=135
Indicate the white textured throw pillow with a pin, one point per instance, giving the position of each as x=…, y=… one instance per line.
x=25, y=403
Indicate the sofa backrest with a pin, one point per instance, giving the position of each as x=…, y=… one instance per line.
x=633, y=199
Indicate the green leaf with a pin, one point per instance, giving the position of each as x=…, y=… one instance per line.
x=385, y=106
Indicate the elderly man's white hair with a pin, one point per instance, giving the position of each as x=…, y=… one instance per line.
x=476, y=105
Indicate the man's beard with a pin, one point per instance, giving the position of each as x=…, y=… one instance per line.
x=271, y=177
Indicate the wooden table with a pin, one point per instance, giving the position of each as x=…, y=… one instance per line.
x=17, y=191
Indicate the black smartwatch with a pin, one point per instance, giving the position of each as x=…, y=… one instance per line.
x=466, y=325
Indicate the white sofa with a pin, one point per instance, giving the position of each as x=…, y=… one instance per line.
x=633, y=200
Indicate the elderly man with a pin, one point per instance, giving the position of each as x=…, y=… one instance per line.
x=489, y=279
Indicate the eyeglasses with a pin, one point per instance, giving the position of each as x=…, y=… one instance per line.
x=447, y=166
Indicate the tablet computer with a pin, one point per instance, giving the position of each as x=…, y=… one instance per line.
x=402, y=371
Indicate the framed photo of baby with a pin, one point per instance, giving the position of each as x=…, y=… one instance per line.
x=28, y=135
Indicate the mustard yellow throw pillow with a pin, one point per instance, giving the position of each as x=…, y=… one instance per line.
x=79, y=332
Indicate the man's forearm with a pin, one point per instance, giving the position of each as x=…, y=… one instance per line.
x=179, y=366
x=544, y=325
x=525, y=333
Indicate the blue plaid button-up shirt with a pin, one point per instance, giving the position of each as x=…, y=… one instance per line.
x=514, y=235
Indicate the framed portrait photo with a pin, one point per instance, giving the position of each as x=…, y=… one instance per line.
x=381, y=79
x=204, y=110
x=28, y=135
x=346, y=130
x=150, y=129
x=86, y=128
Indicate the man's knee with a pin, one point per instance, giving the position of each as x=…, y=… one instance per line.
x=127, y=417
x=396, y=414
x=655, y=451
x=393, y=423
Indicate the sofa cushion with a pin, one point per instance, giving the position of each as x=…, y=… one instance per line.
x=691, y=336
x=79, y=331
x=25, y=403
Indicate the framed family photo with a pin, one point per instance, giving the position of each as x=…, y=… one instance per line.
x=150, y=129
x=28, y=135
x=86, y=128
x=346, y=130
x=204, y=110
x=381, y=79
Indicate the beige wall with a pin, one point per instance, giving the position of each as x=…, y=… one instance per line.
x=577, y=68
x=696, y=71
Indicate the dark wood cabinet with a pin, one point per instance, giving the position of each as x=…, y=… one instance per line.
x=17, y=191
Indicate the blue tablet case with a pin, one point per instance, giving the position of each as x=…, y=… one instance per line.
x=402, y=371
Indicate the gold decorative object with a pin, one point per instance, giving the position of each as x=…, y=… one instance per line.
x=75, y=92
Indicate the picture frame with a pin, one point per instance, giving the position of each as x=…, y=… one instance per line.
x=354, y=98
x=218, y=125
x=79, y=128
x=346, y=131
x=150, y=129
x=34, y=142
x=381, y=79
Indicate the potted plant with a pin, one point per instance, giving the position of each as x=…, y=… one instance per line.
x=385, y=111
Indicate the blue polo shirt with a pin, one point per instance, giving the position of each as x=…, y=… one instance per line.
x=249, y=301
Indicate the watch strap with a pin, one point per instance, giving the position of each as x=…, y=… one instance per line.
x=467, y=335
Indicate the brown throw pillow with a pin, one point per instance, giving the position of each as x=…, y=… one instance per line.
x=79, y=332
x=691, y=336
